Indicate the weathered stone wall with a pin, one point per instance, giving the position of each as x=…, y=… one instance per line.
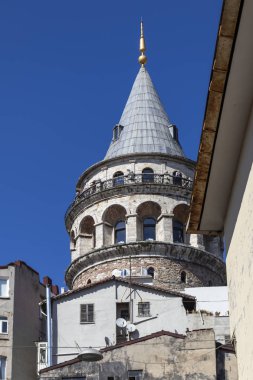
x=167, y=272
x=174, y=357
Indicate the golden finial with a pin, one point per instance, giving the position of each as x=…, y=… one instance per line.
x=142, y=57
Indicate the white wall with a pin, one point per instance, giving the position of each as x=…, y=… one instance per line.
x=213, y=299
x=168, y=311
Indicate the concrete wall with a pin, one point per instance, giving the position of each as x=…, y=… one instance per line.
x=25, y=325
x=161, y=357
x=239, y=241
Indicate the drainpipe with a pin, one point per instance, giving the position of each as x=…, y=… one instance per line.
x=49, y=327
x=48, y=283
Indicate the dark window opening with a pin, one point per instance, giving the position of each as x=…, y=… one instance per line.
x=151, y=272
x=147, y=175
x=183, y=277
x=118, y=179
x=178, y=232
x=177, y=178
x=149, y=227
x=89, y=281
x=120, y=232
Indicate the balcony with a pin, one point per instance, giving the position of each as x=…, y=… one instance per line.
x=131, y=183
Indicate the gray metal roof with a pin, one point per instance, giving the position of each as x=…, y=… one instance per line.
x=145, y=122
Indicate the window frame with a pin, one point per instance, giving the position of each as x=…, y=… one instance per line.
x=86, y=313
x=118, y=178
x=148, y=175
x=176, y=227
x=145, y=225
x=143, y=313
x=3, y=365
x=116, y=230
x=3, y=278
x=4, y=320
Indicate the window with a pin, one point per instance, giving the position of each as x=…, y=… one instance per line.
x=135, y=375
x=87, y=313
x=147, y=175
x=177, y=178
x=151, y=272
x=3, y=326
x=4, y=287
x=120, y=232
x=118, y=179
x=149, y=225
x=2, y=367
x=183, y=277
x=178, y=232
x=110, y=378
x=144, y=309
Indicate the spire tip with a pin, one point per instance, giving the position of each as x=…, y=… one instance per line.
x=142, y=57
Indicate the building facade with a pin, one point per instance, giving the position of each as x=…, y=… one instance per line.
x=21, y=324
x=222, y=196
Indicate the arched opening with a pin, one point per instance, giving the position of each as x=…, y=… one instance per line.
x=149, y=229
x=86, y=238
x=180, y=212
x=118, y=179
x=147, y=215
x=151, y=272
x=89, y=281
x=183, y=277
x=114, y=224
x=120, y=232
x=72, y=241
x=148, y=175
x=177, y=178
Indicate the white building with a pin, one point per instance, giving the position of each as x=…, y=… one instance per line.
x=222, y=200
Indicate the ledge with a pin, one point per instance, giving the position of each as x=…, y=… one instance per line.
x=174, y=251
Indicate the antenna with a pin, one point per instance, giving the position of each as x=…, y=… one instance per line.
x=121, y=322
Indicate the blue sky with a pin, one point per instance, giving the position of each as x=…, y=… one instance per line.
x=66, y=70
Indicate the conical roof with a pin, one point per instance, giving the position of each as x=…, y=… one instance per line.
x=145, y=123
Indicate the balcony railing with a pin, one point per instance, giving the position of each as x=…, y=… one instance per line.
x=133, y=179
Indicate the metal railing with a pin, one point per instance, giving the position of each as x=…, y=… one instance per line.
x=133, y=179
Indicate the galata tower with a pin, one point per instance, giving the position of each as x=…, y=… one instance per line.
x=129, y=214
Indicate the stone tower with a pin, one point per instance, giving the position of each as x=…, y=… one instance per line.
x=128, y=217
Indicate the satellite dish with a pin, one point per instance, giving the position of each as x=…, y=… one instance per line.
x=131, y=327
x=90, y=355
x=116, y=273
x=121, y=322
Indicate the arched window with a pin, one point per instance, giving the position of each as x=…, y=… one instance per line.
x=118, y=179
x=89, y=281
x=148, y=175
x=151, y=272
x=149, y=226
x=178, y=232
x=120, y=232
x=177, y=178
x=183, y=277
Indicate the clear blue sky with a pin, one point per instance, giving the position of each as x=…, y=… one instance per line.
x=66, y=70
